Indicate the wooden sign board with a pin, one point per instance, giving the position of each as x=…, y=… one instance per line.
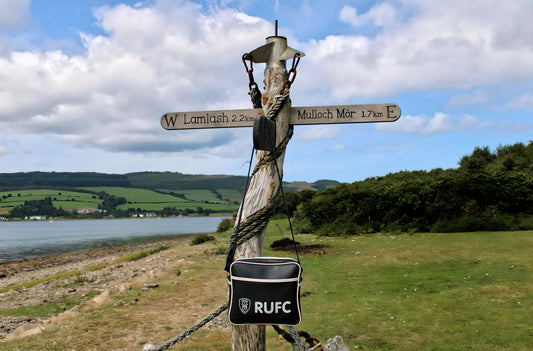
x=298, y=116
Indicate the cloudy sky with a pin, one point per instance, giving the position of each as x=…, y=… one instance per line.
x=83, y=83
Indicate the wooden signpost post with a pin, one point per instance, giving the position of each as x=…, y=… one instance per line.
x=264, y=183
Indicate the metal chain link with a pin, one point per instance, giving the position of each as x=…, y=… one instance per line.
x=291, y=76
x=255, y=93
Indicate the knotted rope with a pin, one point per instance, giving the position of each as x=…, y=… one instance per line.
x=255, y=223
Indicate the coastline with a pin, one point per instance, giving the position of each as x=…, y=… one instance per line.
x=82, y=277
x=12, y=267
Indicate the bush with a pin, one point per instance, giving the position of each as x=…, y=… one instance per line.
x=202, y=238
x=475, y=224
x=304, y=226
x=224, y=225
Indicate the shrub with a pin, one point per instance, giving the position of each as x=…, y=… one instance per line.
x=224, y=225
x=475, y=223
x=303, y=226
x=202, y=238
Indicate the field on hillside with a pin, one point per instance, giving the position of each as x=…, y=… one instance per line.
x=60, y=198
x=143, y=199
x=463, y=291
x=147, y=200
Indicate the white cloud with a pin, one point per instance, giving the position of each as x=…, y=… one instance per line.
x=521, y=101
x=152, y=60
x=438, y=124
x=13, y=13
x=479, y=96
x=426, y=45
x=379, y=15
x=319, y=132
x=336, y=148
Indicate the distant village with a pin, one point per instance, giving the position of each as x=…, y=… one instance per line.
x=80, y=212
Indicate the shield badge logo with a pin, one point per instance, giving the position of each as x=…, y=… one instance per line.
x=244, y=305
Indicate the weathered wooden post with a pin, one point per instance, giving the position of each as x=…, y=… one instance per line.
x=264, y=184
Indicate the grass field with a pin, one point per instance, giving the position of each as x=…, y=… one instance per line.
x=231, y=195
x=464, y=291
x=61, y=198
x=148, y=200
x=424, y=292
x=143, y=199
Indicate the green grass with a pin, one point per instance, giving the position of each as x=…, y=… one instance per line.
x=230, y=194
x=199, y=195
x=425, y=292
x=60, y=198
x=147, y=200
x=463, y=291
x=135, y=256
x=134, y=195
x=46, y=310
x=143, y=199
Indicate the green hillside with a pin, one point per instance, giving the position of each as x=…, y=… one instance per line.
x=98, y=194
x=172, y=180
x=318, y=185
x=68, y=200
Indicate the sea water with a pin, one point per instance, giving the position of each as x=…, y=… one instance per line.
x=27, y=239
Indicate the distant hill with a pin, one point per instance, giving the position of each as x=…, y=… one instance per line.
x=318, y=185
x=141, y=180
x=10, y=181
x=174, y=180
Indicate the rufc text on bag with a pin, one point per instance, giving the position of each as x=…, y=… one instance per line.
x=265, y=290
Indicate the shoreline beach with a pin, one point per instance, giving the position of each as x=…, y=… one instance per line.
x=39, y=281
x=9, y=268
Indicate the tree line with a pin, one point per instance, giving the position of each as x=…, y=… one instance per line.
x=43, y=207
x=488, y=191
x=143, y=180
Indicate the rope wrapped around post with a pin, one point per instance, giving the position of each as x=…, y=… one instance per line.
x=256, y=222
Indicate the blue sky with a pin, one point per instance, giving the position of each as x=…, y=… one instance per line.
x=84, y=83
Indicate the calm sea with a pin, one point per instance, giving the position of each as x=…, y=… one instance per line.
x=42, y=238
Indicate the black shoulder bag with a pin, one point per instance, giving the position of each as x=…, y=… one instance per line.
x=263, y=290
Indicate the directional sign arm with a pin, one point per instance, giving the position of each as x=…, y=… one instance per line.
x=210, y=119
x=372, y=113
x=344, y=114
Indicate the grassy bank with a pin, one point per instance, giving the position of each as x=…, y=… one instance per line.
x=421, y=292
x=425, y=292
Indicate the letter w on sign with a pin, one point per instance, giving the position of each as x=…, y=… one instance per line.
x=298, y=116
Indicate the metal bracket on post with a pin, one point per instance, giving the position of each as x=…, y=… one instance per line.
x=264, y=134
